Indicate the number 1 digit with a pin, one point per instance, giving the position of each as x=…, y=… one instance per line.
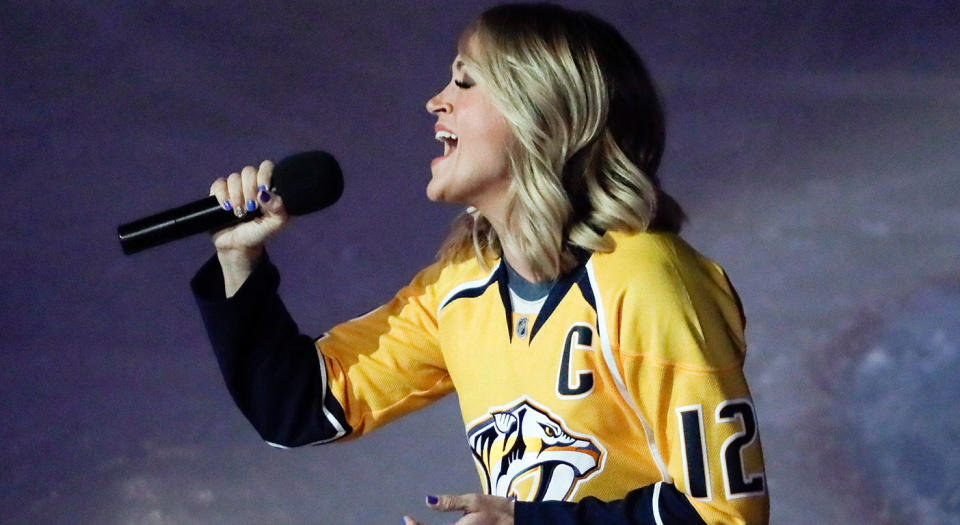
x=694, y=451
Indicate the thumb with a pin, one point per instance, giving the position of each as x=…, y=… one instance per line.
x=271, y=203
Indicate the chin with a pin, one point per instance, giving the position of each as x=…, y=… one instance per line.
x=439, y=190
x=438, y=195
x=433, y=193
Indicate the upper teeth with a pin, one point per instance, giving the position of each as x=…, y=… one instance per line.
x=445, y=135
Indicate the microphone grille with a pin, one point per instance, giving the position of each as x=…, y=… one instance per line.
x=308, y=181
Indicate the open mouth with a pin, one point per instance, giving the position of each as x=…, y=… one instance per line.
x=449, y=141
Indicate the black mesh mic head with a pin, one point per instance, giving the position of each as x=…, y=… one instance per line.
x=307, y=181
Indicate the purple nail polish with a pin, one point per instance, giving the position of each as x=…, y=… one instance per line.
x=226, y=205
x=264, y=194
x=262, y=188
x=251, y=205
x=432, y=500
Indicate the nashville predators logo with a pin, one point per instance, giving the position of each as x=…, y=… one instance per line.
x=525, y=453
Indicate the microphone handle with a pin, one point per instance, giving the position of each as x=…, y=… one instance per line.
x=198, y=216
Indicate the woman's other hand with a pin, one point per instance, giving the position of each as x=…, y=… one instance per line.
x=477, y=509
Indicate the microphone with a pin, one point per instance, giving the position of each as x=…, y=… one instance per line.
x=307, y=182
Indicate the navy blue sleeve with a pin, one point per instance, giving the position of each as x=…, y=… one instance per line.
x=273, y=372
x=656, y=504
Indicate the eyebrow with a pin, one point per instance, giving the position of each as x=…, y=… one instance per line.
x=458, y=65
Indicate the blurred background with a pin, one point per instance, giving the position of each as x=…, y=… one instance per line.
x=813, y=144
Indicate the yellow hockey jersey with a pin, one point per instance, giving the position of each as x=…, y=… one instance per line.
x=630, y=374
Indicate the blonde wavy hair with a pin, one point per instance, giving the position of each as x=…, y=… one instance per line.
x=589, y=134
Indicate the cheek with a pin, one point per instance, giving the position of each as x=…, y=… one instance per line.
x=496, y=139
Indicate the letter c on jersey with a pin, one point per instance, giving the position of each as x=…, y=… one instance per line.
x=579, y=337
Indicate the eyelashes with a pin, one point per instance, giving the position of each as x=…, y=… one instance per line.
x=463, y=85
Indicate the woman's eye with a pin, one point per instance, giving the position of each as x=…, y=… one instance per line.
x=462, y=85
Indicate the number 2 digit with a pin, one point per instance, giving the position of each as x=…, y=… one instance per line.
x=737, y=483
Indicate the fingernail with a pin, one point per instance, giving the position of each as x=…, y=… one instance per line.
x=226, y=205
x=432, y=500
x=264, y=195
x=240, y=212
x=251, y=205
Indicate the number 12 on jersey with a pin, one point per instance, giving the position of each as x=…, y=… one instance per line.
x=737, y=482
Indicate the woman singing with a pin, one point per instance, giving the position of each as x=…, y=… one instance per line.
x=597, y=357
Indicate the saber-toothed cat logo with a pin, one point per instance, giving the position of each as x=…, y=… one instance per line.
x=525, y=452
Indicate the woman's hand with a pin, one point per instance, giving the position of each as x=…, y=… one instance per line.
x=478, y=509
x=242, y=193
x=239, y=247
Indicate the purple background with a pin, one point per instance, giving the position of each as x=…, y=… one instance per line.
x=814, y=146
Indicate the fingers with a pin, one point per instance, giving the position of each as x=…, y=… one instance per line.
x=248, y=184
x=447, y=502
x=247, y=190
x=269, y=201
x=264, y=174
x=235, y=194
x=407, y=520
x=219, y=190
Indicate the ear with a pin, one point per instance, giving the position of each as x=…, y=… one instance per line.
x=505, y=422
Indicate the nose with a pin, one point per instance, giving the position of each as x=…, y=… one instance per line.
x=439, y=104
